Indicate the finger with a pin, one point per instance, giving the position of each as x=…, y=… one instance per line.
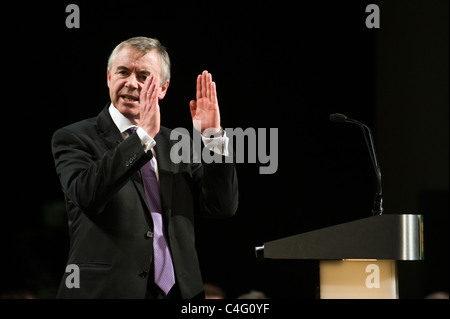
x=204, y=84
x=208, y=85
x=150, y=90
x=146, y=88
x=148, y=83
x=154, y=96
x=156, y=80
x=148, y=96
x=157, y=92
x=199, y=87
x=214, y=93
x=152, y=93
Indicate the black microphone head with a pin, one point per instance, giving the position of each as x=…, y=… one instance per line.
x=338, y=117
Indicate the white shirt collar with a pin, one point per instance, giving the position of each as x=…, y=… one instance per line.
x=119, y=119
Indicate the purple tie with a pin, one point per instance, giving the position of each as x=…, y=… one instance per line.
x=162, y=260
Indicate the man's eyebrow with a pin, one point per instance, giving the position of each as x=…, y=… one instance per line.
x=145, y=72
x=122, y=68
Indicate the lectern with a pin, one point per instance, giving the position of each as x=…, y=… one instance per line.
x=357, y=259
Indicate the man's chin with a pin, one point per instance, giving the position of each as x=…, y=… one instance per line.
x=129, y=110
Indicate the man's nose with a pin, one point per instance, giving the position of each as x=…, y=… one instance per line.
x=132, y=82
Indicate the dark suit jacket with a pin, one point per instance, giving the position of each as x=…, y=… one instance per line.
x=110, y=225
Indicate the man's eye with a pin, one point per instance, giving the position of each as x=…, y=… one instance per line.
x=143, y=78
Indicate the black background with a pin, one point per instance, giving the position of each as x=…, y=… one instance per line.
x=277, y=64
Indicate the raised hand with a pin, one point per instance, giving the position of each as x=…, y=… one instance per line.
x=205, y=110
x=150, y=117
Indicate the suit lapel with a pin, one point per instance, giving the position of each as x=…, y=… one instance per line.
x=111, y=136
x=107, y=130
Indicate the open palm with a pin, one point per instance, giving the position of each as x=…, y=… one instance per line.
x=205, y=110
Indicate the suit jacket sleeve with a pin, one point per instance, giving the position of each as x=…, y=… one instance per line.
x=219, y=192
x=219, y=195
x=89, y=172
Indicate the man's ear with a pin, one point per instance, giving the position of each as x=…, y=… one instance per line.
x=108, y=76
x=163, y=92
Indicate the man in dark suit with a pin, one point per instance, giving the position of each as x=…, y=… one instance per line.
x=98, y=162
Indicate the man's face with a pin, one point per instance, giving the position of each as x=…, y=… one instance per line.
x=126, y=78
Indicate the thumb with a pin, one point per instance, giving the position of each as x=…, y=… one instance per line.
x=193, y=107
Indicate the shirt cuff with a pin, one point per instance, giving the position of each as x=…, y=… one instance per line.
x=147, y=142
x=218, y=145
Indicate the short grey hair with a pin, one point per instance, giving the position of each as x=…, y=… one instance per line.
x=145, y=45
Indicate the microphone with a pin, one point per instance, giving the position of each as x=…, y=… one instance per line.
x=378, y=201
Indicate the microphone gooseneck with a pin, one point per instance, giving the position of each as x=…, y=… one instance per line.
x=378, y=200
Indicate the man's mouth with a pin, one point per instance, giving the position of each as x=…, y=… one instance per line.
x=130, y=98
